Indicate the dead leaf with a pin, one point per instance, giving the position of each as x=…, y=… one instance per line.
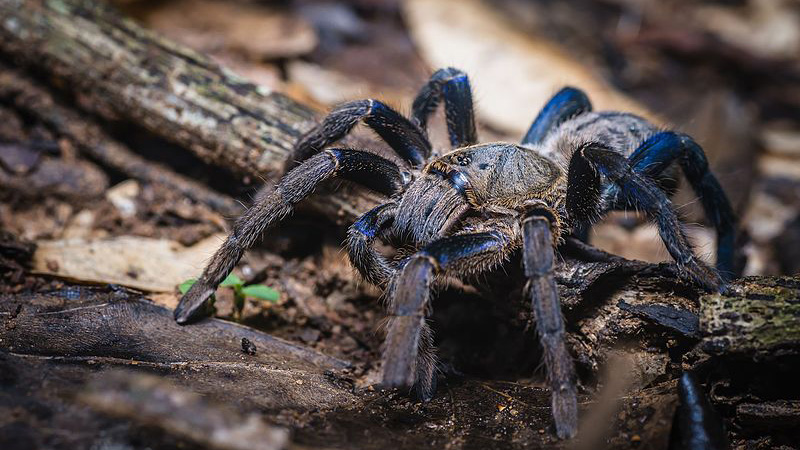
x=254, y=30
x=512, y=74
x=156, y=265
x=763, y=27
x=123, y=197
x=330, y=87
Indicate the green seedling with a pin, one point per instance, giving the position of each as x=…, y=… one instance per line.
x=240, y=292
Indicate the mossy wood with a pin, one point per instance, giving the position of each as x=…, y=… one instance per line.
x=760, y=318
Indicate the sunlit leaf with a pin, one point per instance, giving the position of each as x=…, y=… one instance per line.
x=232, y=280
x=184, y=287
x=261, y=292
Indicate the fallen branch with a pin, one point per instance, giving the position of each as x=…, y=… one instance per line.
x=129, y=73
x=91, y=140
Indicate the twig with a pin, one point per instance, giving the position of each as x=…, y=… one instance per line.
x=91, y=140
x=129, y=73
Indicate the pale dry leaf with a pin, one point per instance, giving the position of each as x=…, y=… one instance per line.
x=255, y=30
x=156, y=265
x=123, y=197
x=781, y=141
x=779, y=166
x=763, y=27
x=512, y=74
x=331, y=88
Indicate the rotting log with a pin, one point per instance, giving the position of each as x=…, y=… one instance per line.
x=76, y=333
x=66, y=334
x=759, y=318
x=130, y=73
x=35, y=101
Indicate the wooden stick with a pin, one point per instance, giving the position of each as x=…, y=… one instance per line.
x=133, y=74
x=91, y=140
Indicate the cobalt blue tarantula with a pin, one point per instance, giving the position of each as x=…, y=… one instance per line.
x=467, y=211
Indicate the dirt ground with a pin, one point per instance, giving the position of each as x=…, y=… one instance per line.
x=74, y=228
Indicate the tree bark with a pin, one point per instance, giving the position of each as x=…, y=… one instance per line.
x=133, y=74
x=34, y=101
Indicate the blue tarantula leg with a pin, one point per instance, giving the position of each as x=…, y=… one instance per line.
x=373, y=266
x=401, y=134
x=363, y=167
x=409, y=360
x=583, y=193
x=659, y=151
x=696, y=425
x=567, y=103
x=537, y=258
x=453, y=86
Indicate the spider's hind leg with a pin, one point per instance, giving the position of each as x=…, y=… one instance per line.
x=453, y=86
x=658, y=152
x=363, y=167
x=567, y=103
x=583, y=198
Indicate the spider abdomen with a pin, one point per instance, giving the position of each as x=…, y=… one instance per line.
x=620, y=131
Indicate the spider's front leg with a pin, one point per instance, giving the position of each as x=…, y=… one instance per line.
x=405, y=138
x=409, y=361
x=537, y=258
x=363, y=167
x=374, y=267
x=452, y=86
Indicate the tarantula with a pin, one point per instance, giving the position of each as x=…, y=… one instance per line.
x=466, y=211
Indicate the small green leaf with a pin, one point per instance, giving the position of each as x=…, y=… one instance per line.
x=184, y=287
x=232, y=280
x=261, y=292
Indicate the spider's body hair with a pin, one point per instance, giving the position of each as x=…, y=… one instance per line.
x=508, y=176
x=622, y=132
x=483, y=177
x=467, y=211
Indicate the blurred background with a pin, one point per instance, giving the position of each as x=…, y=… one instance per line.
x=725, y=71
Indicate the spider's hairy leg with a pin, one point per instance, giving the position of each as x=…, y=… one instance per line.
x=696, y=425
x=373, y=266
x=567, y=103
x=452, y=86
x=659, y=151
x=401, y=134
x=537, y=258
x=408, y=356
x=363, y=167
x=583, y=193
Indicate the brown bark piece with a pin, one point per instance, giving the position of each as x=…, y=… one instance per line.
x=126, y=72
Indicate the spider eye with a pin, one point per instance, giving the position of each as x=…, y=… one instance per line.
x=463, y=160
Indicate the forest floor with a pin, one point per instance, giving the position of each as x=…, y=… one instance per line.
x=91, y=257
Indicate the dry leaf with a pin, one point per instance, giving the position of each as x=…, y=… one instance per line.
x=330, y=87
x=149, y=264
x=257, y=31
x=763, y=27
x=512, y=74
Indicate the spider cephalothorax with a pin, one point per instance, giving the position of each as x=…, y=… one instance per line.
x=468, y=210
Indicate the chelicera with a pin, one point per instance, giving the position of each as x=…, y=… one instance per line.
x=467, y=211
